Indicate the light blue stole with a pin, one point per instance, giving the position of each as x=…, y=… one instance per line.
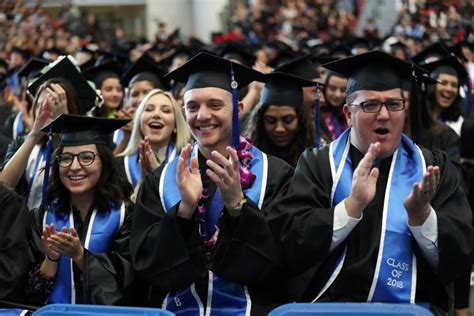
x=132, y=166
x=18, y=125
x=395, y=271
x=34, y=194
x=100, y=232
x=117, y=137
x=224, y=297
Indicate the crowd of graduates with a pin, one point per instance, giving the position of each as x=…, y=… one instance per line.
x=183, y=175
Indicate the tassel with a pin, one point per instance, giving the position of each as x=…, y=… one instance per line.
x=49, y=152
x=235, y=111
x=415, y=121
x=317, y=118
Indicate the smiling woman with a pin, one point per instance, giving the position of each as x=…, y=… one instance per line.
x=279, y=124
x=159, y=132
x=82, y=232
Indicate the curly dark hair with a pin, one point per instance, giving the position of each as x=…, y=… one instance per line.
x=304, y=137
x=113, y=187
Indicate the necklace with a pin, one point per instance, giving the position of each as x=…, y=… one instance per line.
x=209, y=234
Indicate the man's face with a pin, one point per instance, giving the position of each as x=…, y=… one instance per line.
x=209, y=117
x=385, y=127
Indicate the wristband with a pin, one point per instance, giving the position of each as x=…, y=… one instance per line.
x=51, y=259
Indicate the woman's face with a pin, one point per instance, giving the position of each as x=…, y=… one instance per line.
x=112, y=92
x=447, y=90
x=281, y=125
x=158, y=120
x=81, y=179
x=138, y=90
x=336, y=91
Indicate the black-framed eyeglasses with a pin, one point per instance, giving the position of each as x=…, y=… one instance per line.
x=85, y=158
x=374, y=106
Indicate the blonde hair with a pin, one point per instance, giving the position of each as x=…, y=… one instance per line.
x=182, y=136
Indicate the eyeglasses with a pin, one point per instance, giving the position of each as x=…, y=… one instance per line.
x=85, y=158
x=374, y=106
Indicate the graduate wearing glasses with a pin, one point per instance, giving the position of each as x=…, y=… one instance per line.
x=372, y=217
x=80, y=235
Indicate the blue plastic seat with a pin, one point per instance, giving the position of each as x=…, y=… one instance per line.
x=83, y=310
x=384, y=309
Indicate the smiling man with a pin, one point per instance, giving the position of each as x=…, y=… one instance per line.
x=200, y=240
x=373, y=217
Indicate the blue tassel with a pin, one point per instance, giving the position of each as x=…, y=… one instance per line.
x=49, y=152
x=235, y=111
x=317, y=119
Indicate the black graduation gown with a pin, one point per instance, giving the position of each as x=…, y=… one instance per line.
x=107, y=278
x=168, y=253
x=303, y=220
x=14, y=251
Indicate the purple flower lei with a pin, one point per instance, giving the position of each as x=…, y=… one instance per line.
x=247, y=178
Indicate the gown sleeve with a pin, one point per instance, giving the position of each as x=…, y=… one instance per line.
x=14, y=248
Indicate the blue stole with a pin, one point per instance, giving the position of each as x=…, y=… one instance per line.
x=12, y=311
x=100, y=232
x=18, y=125
x=395, y=271
x=224, y=297
x=117, y=136
x=132, y=166
x=32, y=197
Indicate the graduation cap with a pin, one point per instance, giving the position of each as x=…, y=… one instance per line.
x=300, y=67
x=32, y=68
x=457, y=49
x=108, y=69
x=340, y=51
x=398, y=45
x=379, y=71
x=88, y=64
x=359, y=44
x=145, y=68
x=236, y=52
x=434, y=51
x=63, y=68
x=207, y=70
x=284, y=89
x=450, y=65
x=25, y=54
x=78, y=130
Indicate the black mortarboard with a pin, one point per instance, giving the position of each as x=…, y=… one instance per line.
x=449, y=65
x=401, y=46
x=436, y=50
x=457, y=49
x=207, y=70
x=374, y=70
x=340, y=51
x=22, y=52
x=236, y=52
x=145, y=68
x=66, y=70
x=32, y=68
x=78, y=130
x=284, y=89
x=300, y=67
x=103, y=71
x=321, y=60
x=379, y=71
x=88, y=64
x=359, y=43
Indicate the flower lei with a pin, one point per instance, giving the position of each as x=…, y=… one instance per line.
x=247, y=178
